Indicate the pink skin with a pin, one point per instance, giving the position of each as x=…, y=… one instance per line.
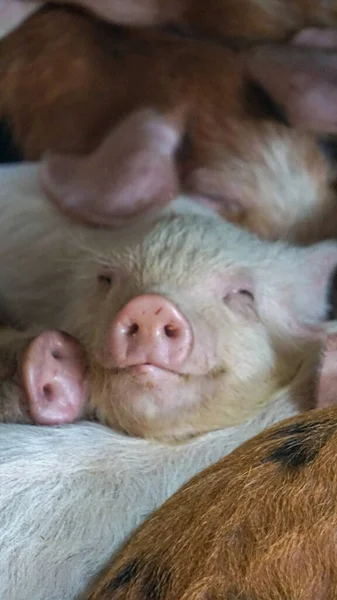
x=130, y=173
x=54, y=378
x=156, y=363
x=150, y=330
x=133, y=171
x=301, y=77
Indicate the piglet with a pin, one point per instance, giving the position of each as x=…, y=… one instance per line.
x=71, y=496
x=117, y=144
x=190, y=324
x=258, y=524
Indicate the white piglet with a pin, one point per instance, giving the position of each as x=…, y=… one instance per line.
x=188, y=325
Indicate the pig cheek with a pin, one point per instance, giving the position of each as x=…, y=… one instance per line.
x=253, y=374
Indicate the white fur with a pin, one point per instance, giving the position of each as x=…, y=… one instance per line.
x=69, y=497
x=37, y=259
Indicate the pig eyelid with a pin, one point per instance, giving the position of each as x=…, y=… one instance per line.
x=240, y=291
x=105, y=278
x=245, y=292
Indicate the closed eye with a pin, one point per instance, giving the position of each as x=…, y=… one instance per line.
x=246, y=293
x=104, y=278
x=242, y=292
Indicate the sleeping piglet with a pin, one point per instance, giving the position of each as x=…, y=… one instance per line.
x=129, y=118
x=70, y=496
x=189, y=323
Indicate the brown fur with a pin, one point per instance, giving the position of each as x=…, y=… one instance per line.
x=66, y=79
x=258, y=525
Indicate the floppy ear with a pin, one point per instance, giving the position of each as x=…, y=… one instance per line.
x=13, y=13
x=302, y=80
x=131, y=173
x=294, y=289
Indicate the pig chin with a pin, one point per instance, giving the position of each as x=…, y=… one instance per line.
x=146, y=401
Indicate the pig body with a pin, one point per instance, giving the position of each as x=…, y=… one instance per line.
x=128, y=115
x=71, y=496
x=259, y=524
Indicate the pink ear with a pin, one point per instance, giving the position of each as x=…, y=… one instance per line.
x=54, y=378
x=327, y=384
x=13, y=13
x=295, y=289
x=302, y=80
x=132, y=172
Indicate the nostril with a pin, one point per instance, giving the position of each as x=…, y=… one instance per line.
x=171, y=331
x=47, y=391
x=133, y=329
x=56, y=354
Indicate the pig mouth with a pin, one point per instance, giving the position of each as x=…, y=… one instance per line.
x=150, y=370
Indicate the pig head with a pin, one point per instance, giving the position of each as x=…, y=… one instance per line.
x=192, y=324
x=130, y=118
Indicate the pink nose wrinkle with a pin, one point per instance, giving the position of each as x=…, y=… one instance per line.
x=151, y=330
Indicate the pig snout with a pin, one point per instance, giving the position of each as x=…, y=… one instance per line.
x=150, y=330
x=54, y=378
